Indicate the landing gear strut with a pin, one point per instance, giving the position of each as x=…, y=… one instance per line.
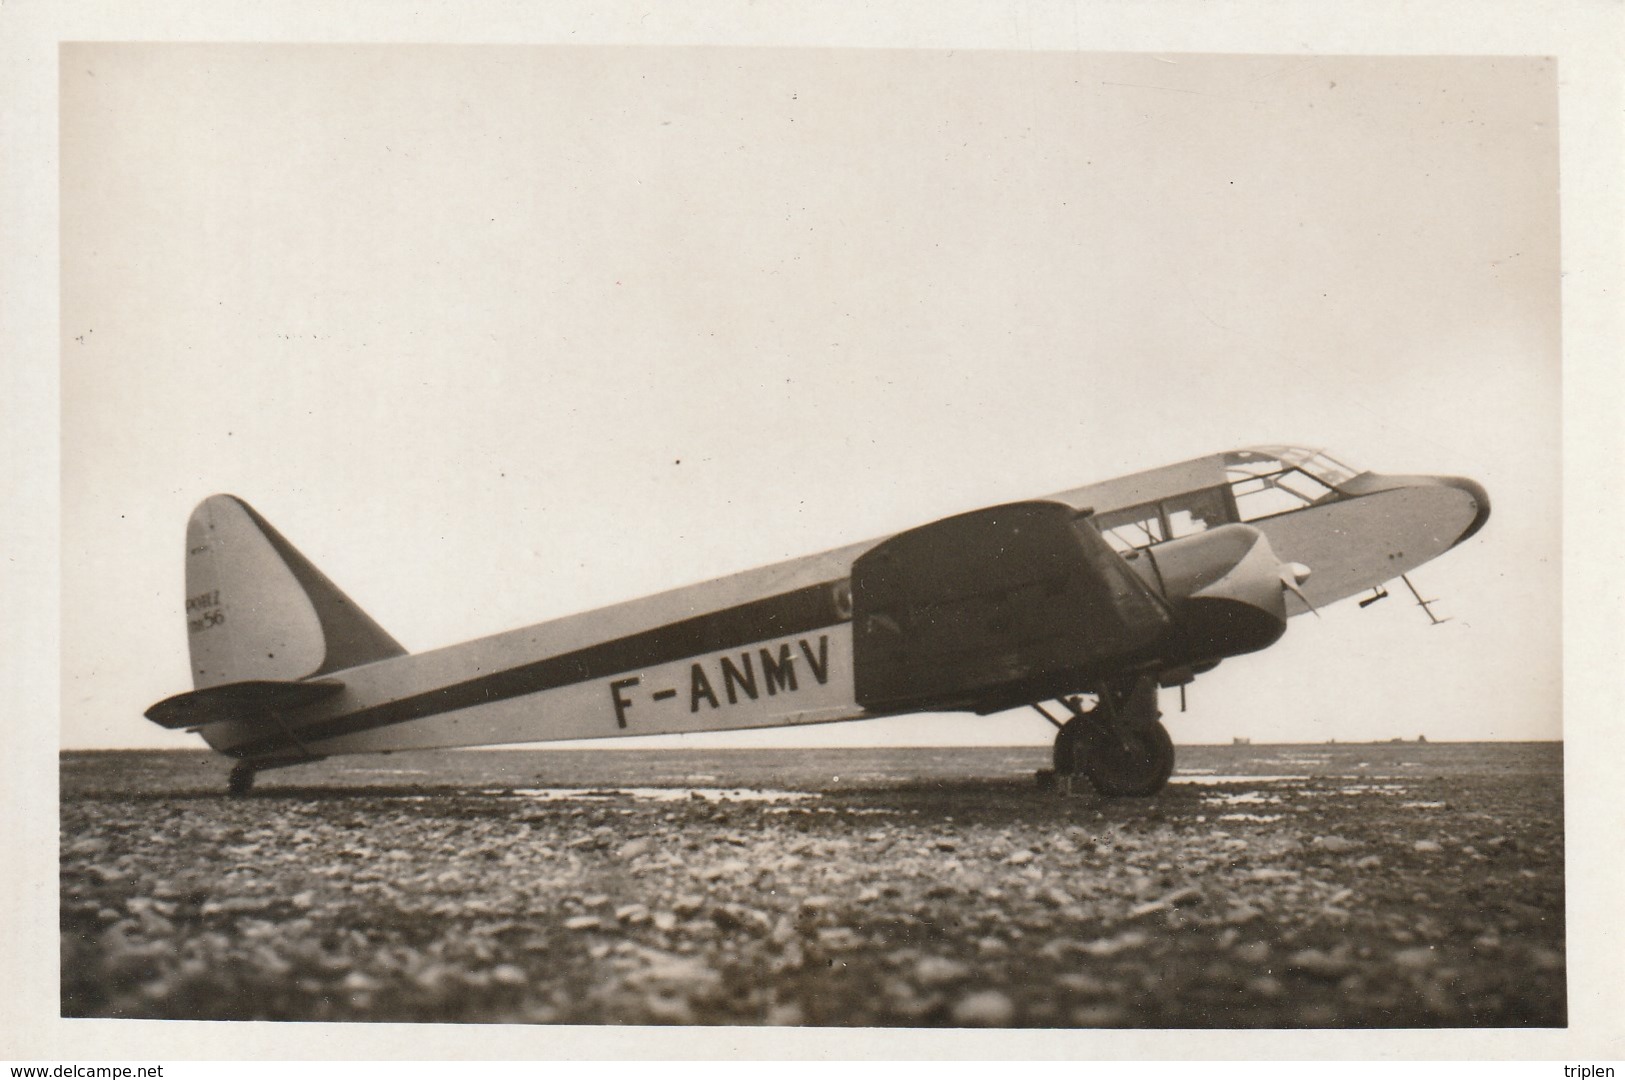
x=241, y=781
x=1120, y=744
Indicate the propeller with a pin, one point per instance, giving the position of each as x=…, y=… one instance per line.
x=1294, y=575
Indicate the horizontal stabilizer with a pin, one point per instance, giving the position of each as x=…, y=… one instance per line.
x=238, y=701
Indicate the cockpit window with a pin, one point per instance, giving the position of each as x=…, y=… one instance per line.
x=1260, y=482
x=1322, y=466
x=1260, y=493
x=1316, y=463
x=1303, y=485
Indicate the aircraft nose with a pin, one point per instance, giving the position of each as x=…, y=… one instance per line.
x=1480, y=499
x=1445, y=500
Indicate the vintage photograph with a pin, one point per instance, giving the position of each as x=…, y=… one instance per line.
x=816, y=537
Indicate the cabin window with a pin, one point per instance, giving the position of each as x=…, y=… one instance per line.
x=1151, y=523
x=1195, y=512
x=1133, y=527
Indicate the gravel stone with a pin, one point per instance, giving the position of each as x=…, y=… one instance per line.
x=1333, y=843
x=985, y=1008
x=1416, y=958
x=633, y=848
x=1320, y=964
x=939, y=971
x=956, y=899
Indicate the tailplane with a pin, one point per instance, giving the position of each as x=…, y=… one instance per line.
x=258, y=611
x=232, y=701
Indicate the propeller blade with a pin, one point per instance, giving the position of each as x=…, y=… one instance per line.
x=1294, y=575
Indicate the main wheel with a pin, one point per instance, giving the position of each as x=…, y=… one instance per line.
x=241, y=781
x=1071, y=743
x=1137, y=764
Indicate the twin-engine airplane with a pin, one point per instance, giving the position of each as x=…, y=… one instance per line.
x=1095, y=597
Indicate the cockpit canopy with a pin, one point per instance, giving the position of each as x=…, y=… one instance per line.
x=1258, y=482
x=1317, y=463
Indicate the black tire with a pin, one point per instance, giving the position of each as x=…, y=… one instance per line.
x=1071, y=743
x=1136, y=770
x=241, y=781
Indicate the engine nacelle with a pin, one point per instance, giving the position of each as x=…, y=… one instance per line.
x=1226, y=589
x=996, y=608
x=1017, y=603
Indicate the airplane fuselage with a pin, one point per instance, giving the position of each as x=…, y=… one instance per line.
x=783, y=644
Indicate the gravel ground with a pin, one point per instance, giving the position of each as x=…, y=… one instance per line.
x=1397, y=885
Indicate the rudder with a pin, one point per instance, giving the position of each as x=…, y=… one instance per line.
x=256, y=609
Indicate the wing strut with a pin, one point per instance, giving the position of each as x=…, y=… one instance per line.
x=1045, y=714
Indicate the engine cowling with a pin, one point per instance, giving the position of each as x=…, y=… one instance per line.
x=1226, y=589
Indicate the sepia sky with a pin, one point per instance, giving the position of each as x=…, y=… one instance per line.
x=495, y=334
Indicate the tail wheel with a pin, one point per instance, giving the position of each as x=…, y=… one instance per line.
x=1127, y=759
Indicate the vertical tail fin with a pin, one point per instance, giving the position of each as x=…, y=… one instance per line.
x=256, y=609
